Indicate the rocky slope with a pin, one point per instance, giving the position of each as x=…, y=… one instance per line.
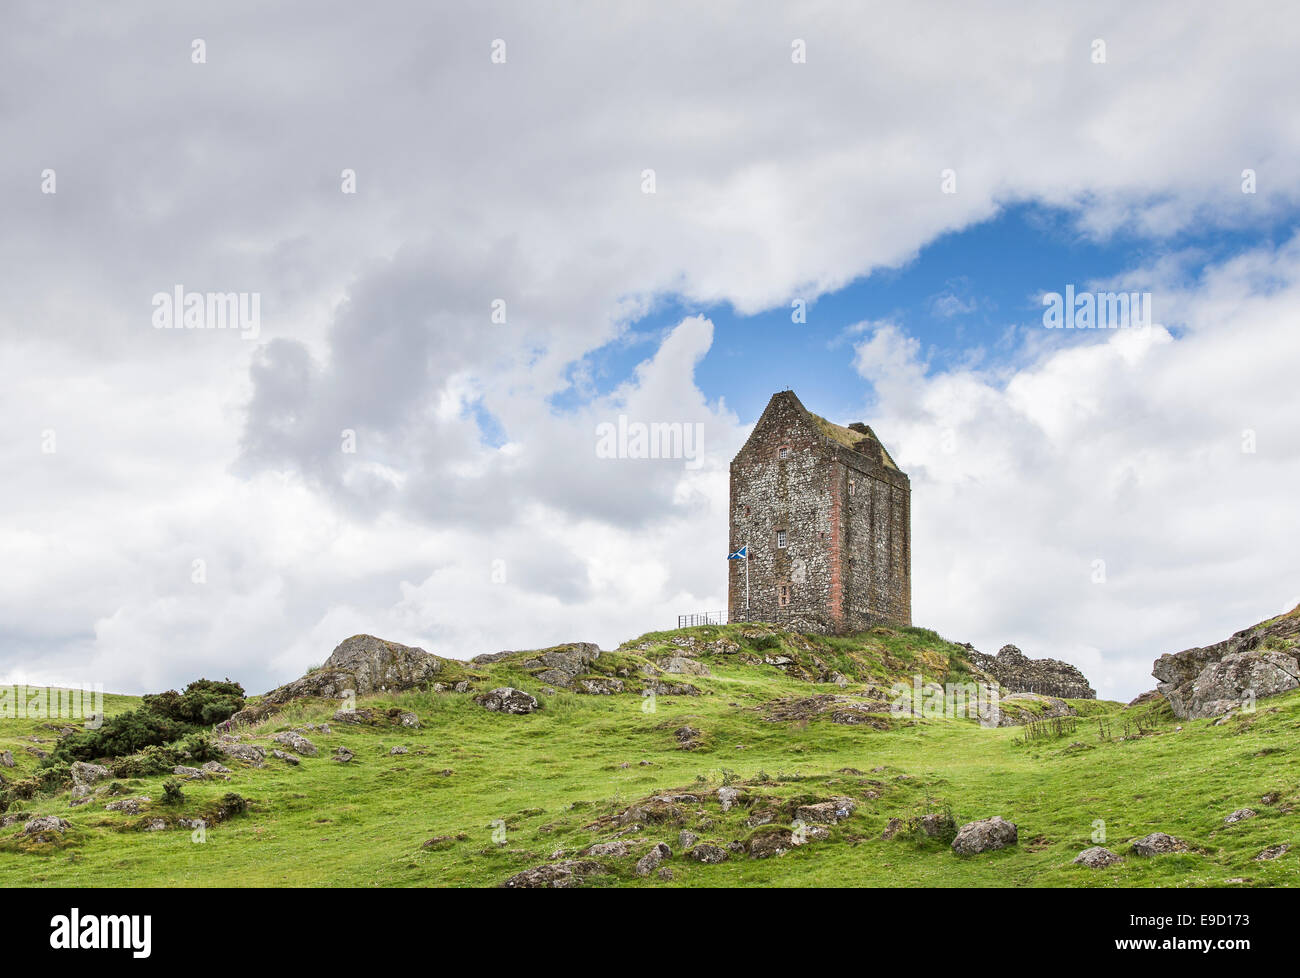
x=1256, y=662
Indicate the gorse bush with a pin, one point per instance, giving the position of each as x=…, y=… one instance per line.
x=205, y=702
x=163, y=719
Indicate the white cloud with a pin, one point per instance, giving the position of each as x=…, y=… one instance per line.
x=522, y=181
x=1127, y=450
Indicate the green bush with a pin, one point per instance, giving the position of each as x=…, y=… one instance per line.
x=154, y=759
x=172, y=794
x=205, y=702
x=119, y=736
x=199, y=747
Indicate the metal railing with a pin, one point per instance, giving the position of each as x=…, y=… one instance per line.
x=710, y=618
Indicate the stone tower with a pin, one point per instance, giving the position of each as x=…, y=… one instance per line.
x=826, y=515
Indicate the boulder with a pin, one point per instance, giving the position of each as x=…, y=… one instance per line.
x=365, y=665
x=214, y=767
x=616, y=849
x=343, y=755
x=6, y=758
x=1097, y=858
x=727, y=797
x=938, y=825
x=296, y=742
x=188, y=773
x=83, y=773
x=44, y=828
x=827, y=812
x=399, y=750
x=1157, y=844
x=1240, y=815
x=984, y=835
x=285, y=756
x=686, y=838
x=558, y=875
x=507, y=699
x=766, y=844
x=245, y=752
x=706, y=852
x=1260, y=661
x=130, y=806
x=652, y=860
x=892, y=828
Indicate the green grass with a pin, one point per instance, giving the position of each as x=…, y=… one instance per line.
x=549, y=775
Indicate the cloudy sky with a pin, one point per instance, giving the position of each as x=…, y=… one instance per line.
x=567, y=212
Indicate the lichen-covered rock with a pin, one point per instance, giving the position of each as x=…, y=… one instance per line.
x=507, y=699
x=706, y=852
x=1255, y=662
x=938, y=825
x=1097, y=857
x=615, y=849
x=653, y=859
x=1240, y=815
x=250, y=753
x=771, y=842
x=727, y=797
x=215, y=768
x=130, y=806
x=558, y=875
x=1274, y=852
x=285, y=756
x=295, y=742
x=188, y=773
x=399, y=750
x=363, y=664
x=827, y=812
x=892, y=828
x=44, y=828
x=682, y=666
x=83, y=773
x=562, y=664
x=6, y=758
x=653, y=811
x=1157, y=844
x=343, y=755
x=600, y=686
x=985, y=835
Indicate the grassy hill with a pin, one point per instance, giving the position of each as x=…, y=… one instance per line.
x=498, y=794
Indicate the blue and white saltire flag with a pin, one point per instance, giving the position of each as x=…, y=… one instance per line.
x=740, y=554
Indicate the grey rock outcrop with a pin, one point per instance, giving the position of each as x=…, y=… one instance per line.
x=83, y=773
x=1017, y=673
x=1252, y=664
x=561, y=665
x=558, y=875
x=365, y=665
x=507, y=699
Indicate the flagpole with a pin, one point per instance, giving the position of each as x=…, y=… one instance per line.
x=746, y=580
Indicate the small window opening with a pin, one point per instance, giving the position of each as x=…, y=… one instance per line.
x=780, y=538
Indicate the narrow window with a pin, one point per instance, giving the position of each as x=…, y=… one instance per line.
x=851, y=487
x=783, y=595
x=783, y=452
x=780, y=539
